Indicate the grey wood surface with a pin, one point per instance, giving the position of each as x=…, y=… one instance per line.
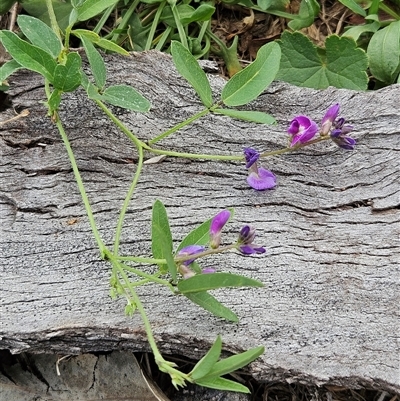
x=329, y=310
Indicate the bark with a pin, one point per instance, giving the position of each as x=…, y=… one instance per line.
x=328, y=313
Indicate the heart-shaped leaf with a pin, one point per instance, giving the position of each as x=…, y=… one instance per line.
x=67, y=77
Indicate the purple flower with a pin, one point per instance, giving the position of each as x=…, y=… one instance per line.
x=259, y=178
x=251, y=156
x=217, y=224
x=208, y=270
x=245, y=241
x=302, y=130
x=190, y=250
x=338, y=135
x=329, y=118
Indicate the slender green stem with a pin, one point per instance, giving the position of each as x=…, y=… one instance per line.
x=138, y=259
x=125, y=19
x=161, y=39
x=104, y=17
x=140, y=273
x=127, y=200
x=179, y=126
x=154, y=25
x=138, y=143
x=79, y=182
x=206, y=253
x=294, y=148
x=53, y=19
x=181, y=30
x=136, y=300
x=196, y=155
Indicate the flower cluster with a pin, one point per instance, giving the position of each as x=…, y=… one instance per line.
x=303, y=129
x=244, y=245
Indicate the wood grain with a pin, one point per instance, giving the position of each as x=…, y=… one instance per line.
x=328, y=313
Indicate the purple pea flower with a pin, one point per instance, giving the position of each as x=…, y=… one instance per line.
x=302, y=129
x=259, y=178
x=329, y=118
x=183, y=267
x=217, y=224
x=190, y=250
x=338, y=135
x=245, y=241
x=251, y=156
x=208, y=270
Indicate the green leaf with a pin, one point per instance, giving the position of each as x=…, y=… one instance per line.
x=89, y=35
x=112, y=47
x=356, y=31
x=163, y=245
x=8, y=68
x=189, y=68
x=384, y=53
x=90, y=8
x=6, y=6
x=101, y=42
x=264, y=4
x=127, y=97
x=91, y=90
x=309, y=10
x=40, y=34
x=235, y=362
x=248, y=115
x=208, y=361
x=247, y=84
x=38, y=9
x=354, y=6
x=219, y=383
x=67, y=77
x=205, y=282
x=202, y=13
x=340, y=64
x=54, y=100
x=209, y=303
x=28, y=56
x=96, y=62
x=160, y=233
x=199, y=236
x=269, y=4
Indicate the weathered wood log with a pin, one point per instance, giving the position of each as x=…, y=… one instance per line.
x=328, y=313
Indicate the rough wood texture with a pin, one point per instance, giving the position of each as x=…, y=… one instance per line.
x=329, y=310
